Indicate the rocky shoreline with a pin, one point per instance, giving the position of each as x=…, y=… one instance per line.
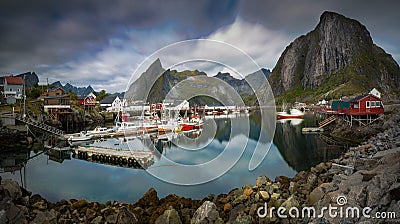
x=367, y=175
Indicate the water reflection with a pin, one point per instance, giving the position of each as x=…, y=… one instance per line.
x=302, y=151
x=56, y=175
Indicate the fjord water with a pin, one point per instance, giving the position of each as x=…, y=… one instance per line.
x=57, y=179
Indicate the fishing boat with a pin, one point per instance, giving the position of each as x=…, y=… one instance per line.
x=294, y=113
x=188, y=126
x=123, y=127
x=82, y=136
x=100, y=130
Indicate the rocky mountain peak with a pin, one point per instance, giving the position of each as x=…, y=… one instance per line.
x=339, y=51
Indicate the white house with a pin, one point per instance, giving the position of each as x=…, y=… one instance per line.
x=113, y=103
x=13, y=88
x=376, y=93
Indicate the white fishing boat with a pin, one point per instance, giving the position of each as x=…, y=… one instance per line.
x=294, y=113
x=100, y=130
x=82, y=136
x=123, y=127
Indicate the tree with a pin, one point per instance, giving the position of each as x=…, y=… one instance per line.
x=102, y=94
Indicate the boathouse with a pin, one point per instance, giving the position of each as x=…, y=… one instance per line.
x=366, y=104
x=363, y=109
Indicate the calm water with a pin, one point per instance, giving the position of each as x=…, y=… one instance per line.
x=57, y=176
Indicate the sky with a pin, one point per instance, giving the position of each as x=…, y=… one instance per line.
x=101, y=43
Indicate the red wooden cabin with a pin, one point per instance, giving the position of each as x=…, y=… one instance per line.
x=366, y=104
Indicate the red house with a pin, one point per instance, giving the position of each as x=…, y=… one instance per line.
x=87, y=100
x=366, y=104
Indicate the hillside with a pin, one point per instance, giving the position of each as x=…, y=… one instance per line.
x=338, y=58
x=169, y=78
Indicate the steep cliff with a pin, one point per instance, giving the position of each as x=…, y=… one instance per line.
x=337, y=58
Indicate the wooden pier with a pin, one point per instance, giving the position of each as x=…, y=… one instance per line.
x=126, y=158
x=312, y=130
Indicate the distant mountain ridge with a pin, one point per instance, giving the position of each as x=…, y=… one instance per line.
x=80, y=91
x=31, y=79
x=338, y=58
x=165, y=80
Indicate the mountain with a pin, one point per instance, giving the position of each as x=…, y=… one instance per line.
x=138, y=89
x=80, y=91
x=165, y=80
x=31, y=79
x=338, y=58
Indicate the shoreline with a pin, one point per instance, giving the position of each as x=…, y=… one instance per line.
x=367, y=175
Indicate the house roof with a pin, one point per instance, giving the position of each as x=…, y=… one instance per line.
x=57, y=97
x=14, y=80
x=109, y=99
x=358, y=98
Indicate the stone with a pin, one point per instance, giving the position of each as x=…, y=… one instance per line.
x=227, y=207
x=239, y=199
x=264, y=195
x=293, y=187
x=97, y=220
x=112, y=219
x=381, y=154
x=365, y=164
x=170, y=216
x=315, y=196
x=45, y=217
x=16, y=214
x=261, y=180
x=149, y=198
x=11, y=189
x=90, y=214
x=275, y=196
x=206, y=213
x=41, y=205
x=328, y=187
x=236, y=211
x=244, y=220
x=247, y=192
x=291, y=202
x=79, y=204
x=125, y=216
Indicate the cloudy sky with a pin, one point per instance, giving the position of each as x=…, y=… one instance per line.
x=102, y=42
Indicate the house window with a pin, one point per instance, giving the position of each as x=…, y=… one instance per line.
x=372, y=104
x=19, y=90
x=378, y=103
x=356, y=105
x=367, y=104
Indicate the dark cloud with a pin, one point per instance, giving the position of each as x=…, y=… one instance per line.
x=47, y=32
x=66, y=39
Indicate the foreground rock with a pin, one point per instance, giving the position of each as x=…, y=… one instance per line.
x=364, y=176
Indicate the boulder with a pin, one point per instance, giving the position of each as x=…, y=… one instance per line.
x=264, y=195
x=262, y=180
x=315, y=196
x=170, y=216
x=206, y=213
x=236, y=212
x=150, y=198
x=11, y=189
x=45, y=217
x=125, y=216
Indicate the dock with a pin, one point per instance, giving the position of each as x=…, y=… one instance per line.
x=126, y=158
x=312, y=130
